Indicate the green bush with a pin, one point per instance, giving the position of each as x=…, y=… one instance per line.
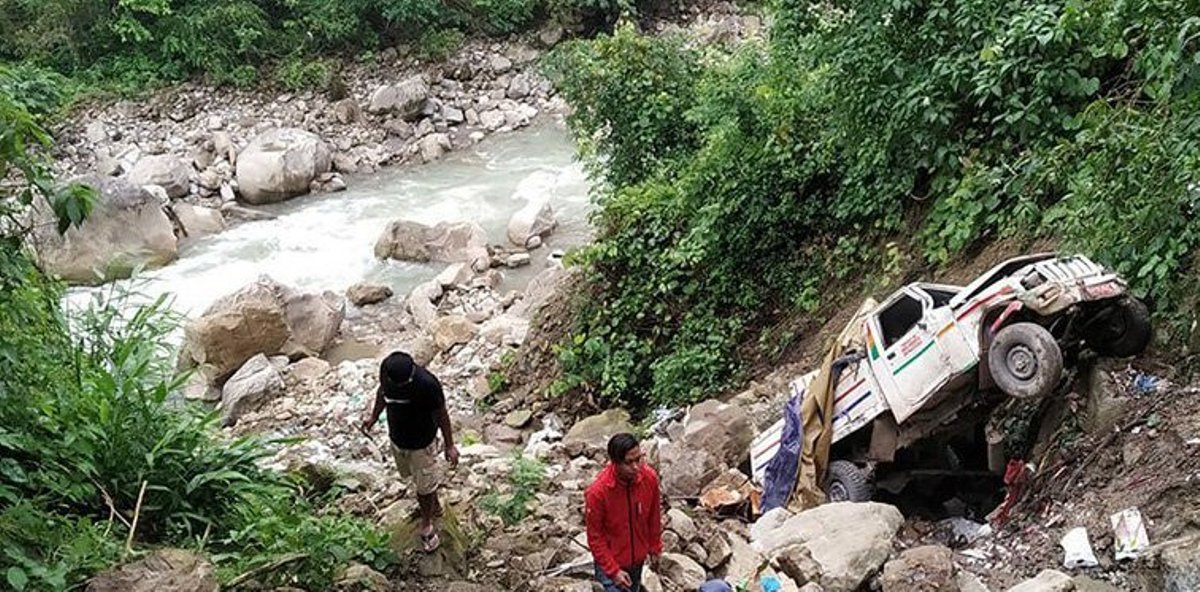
x=439, y=45
x=740, y=189
x=526, y=479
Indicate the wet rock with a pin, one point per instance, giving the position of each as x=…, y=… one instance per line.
x=722, y=430
x=534, y=219
x=452, y=330
x=198, y=221
x=256, y=382
x=447, y=242
x=280, y=164
x=345, y=163
x=165, y=570
x=433, y=146
x=593, y=432
x=921, y=569
x=1049, y=580
x=167, y=171
x=405, y=99
x=364, y=293
x=126, y=229
x=835, y=545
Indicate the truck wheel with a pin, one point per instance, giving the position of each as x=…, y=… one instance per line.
x=1125, y=330
x=1025, y=361
x=846, y=482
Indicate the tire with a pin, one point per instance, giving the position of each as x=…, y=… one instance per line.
x=1124, y=331
x=845, y=482
x=1025, y=361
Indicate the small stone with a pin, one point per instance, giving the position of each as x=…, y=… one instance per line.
x=518, y=419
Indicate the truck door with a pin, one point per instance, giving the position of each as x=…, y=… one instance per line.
x=906, y=357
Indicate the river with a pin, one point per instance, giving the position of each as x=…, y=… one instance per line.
x=326, y=241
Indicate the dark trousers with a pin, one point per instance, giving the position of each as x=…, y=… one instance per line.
x=635, y=574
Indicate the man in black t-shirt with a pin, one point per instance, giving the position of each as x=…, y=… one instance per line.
x=416, y=409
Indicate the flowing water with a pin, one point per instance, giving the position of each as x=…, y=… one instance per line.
x=325, y=242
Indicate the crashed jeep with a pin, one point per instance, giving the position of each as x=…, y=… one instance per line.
x=936, y=357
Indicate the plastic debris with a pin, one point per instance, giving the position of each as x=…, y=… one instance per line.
x=963, y=531
x=1145, y=384
x=1129, y=534
x=1077, y=550
x=770, y=584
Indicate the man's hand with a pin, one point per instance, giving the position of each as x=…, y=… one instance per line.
x=368, y=422
x=452, y=455
x=623, y=580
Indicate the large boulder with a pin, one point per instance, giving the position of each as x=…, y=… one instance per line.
x=685, y=471
x=255, y=383
x=721, y=429
x=539, y=291
x=421, y=303
x=279, y=164
x=434, y=146
x=264, y=317
x=405, y=99
x=535, y=219
x=837, y=546
x=165, y=570
x=447, y=242
x=127, y=228
x=452, y=330
x=681, y=571
x=592, y=433
x=170, y=172
x=198, y=221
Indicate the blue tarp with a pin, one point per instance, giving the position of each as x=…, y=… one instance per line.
x=780, y=476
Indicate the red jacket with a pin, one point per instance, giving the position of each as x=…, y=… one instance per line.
x=624, y=522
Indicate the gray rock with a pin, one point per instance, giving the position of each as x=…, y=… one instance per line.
x=446, y=242
x=170, y=172
x=535, y=219
x=255, y=383
x=593, y=432
x=682, y=525
x=347, y=111
x=452, y=330
x=198, y=221
x=165, y=570
x=405, y=99
x=717, y=549
x=279, y=164
x=96, y=132
x=434, y=146
x=921, y=569
x=492, y=119
x=1049, y=580
x=518, y=419
x=721, y=429
x=837, y=545
x=364, y=293
x=500, y=64
x=681, y=571
x=126, y=229
x=684, y=471
x=453, y=115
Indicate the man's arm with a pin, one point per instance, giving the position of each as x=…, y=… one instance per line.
x=593, y=514
x=373, y=413
x=443, y=417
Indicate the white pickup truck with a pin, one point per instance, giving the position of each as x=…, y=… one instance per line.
x=933, y=352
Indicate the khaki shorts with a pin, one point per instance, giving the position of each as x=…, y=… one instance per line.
x=420, y=465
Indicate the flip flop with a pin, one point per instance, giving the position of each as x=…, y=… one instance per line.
x=431, y=541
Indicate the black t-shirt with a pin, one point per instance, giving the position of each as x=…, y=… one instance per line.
x=412, y=410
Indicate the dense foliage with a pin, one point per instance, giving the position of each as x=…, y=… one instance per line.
x=132, y=43
x=753, y=186
x=88, y=439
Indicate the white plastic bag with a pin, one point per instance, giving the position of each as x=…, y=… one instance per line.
x=1077, y=551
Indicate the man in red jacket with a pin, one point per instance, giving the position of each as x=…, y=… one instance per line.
x=624, y=517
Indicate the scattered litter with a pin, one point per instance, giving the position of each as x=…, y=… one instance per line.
x=976, y=554
x=965, y=532
x=1077, y=551
x=770, y=584
x=1145, y=384
x=721, y=497
x=1129, y=533
x=663, y=418
x=1193, y=442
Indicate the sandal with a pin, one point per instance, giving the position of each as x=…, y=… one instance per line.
x=430, y=542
